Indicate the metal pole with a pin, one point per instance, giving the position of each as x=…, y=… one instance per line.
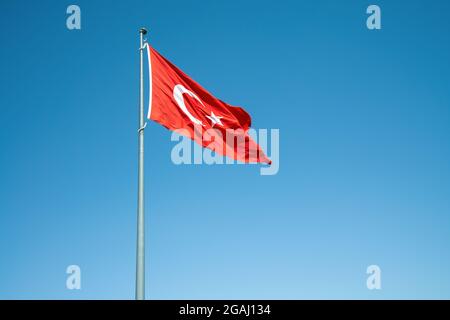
x=140, y=247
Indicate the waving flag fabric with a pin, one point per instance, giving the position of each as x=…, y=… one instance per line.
x=179, y=103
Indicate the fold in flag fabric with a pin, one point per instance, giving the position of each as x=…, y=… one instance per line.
x=180, y=104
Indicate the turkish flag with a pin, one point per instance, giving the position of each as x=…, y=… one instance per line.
x=179, y=103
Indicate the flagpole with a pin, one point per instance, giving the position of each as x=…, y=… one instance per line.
x=140, y=245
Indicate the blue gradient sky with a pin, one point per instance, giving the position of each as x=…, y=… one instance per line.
x=365, y=151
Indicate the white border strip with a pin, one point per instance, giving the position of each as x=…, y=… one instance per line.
x=150, y=82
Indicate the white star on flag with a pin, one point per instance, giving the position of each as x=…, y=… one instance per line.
x=214, y=119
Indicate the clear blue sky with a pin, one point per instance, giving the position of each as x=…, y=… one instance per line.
x=364, y=166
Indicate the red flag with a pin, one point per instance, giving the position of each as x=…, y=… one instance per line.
x=178, y=102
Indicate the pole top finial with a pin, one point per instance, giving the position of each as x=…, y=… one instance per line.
x=143, y=31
